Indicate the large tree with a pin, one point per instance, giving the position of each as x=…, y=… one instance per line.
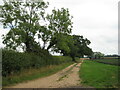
x=72, y=45
x=63, y=41
x=23, y=20
x=82, y=45
x=59, y=23
x=97, y=55
x=65, y=45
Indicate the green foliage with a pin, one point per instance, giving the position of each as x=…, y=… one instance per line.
x=14, y=62
x=82, y=45
x=60, y=25
x=78, y=46
x=97, y=55
x=62, y=59
x=99, y=75
x=45, y=34
x=71, y=45
x=62, y=43
x=60, y=21
x=23, y=19
x=31, y=74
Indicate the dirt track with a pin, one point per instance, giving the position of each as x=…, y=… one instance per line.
x=68, y=77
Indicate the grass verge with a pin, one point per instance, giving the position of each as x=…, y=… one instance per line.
x=99, y=75
x=30, y=74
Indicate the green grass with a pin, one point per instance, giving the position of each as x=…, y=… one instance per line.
x=109, y=61
x=99, y=75
x=30, y=74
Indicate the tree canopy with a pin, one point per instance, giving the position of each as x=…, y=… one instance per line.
x=25, y=20
x=97, y=55
x=60, y=24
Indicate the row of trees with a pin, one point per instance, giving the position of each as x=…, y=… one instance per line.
x=97, y=55
x=28, y=21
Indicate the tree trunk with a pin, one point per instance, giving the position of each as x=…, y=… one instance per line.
x=27, y=43
x=73, y=58
x=49, y=46
x=27, y=46
x=44, y=43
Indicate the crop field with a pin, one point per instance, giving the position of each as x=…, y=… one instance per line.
x=109, y=61
x=99, y=75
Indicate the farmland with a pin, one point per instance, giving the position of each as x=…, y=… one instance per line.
x=32, y=37
x=99, y=75
x=111, y=61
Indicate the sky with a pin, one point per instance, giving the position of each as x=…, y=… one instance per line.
x=96, y=20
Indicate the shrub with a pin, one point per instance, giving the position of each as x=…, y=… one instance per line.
x=14, y=62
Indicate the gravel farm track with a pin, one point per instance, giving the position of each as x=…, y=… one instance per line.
x=66, y=78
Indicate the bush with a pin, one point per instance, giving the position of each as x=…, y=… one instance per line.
x=61, y=59
x=14, y=62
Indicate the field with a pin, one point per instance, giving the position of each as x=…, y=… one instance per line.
x=99, y=75
x=109, y=61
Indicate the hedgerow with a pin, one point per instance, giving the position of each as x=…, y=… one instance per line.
x=14, y=62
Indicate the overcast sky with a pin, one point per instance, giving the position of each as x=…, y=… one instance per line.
x=96, y=20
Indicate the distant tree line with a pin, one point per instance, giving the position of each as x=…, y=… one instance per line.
x=97, y=55
x=114, y=55
x=29, y=24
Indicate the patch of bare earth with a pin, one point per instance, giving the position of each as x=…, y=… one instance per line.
x=68, y=77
